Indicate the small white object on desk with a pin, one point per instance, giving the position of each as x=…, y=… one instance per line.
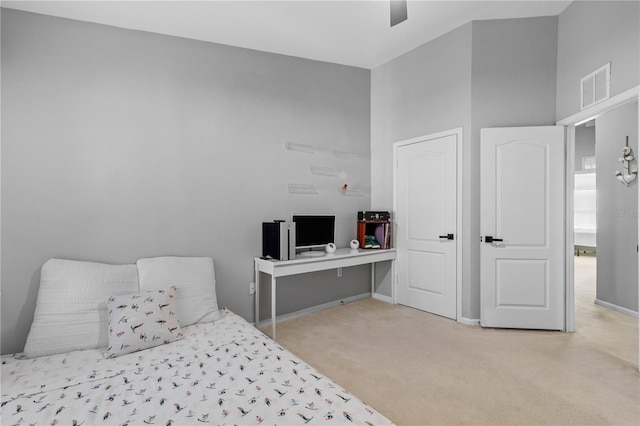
x=354, y=244
x=331, y=248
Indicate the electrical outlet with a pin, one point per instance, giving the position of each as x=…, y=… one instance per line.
x=252, y=288
x=339, y=272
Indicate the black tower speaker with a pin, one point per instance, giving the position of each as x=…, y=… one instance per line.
x=279, y=240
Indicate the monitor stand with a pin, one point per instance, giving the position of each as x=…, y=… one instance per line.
x=311, y=253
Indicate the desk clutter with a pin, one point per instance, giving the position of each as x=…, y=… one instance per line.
x=315, y=234
x=374, y=229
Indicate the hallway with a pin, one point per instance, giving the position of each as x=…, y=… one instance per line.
x=607, y=330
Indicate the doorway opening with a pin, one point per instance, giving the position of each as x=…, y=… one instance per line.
x=585, y=224
x=602, y=265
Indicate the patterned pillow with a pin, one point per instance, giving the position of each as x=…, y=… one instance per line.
x=141, y=321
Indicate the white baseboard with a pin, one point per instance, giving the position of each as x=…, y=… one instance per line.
x=616, y=308
x=382, y=298
x=469, y=321
x=316, y=308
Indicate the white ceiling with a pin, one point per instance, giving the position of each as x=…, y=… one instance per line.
x=353, y=33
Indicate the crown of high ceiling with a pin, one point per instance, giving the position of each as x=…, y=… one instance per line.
x=356, y=33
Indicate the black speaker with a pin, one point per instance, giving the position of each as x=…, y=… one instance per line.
x=279, y=240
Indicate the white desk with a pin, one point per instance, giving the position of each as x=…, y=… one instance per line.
x=342, y=258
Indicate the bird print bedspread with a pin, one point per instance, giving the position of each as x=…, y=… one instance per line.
x=226, y=372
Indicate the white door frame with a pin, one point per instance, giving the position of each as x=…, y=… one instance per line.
x=453, y=132
x=571, y=122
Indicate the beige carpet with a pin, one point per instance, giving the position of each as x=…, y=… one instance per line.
x=419, y=369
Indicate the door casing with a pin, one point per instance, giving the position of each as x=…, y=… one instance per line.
x=571, y=122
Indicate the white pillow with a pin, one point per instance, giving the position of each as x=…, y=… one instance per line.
x=71, y=312
x=194, y=279
x=141, y=321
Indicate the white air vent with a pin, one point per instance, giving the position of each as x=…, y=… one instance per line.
x=595, y=87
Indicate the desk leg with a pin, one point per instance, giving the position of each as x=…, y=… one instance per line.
x=373, y=279
x=273, y=307
x=257, y=297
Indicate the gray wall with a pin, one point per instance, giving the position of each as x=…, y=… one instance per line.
x=591, y=34
x=426, y=90
x=120, y=144
x=523, y=72
x=617, y=205
x=484, y=74
x=585, y=145
x=512, y=85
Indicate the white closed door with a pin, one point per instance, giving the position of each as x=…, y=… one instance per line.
x=426, y=218
x=522, y=227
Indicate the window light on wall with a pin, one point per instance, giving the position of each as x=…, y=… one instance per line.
x=595, y=87
x=588, y=163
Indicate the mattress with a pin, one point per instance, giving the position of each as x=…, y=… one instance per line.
x=226, y=372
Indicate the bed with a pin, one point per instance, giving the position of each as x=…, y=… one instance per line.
x=220, y=370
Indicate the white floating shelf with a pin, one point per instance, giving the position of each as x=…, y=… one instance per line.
x=304, y=189
x=347, y=155
x=350, y=192
x=291, y=146
x=328, y=171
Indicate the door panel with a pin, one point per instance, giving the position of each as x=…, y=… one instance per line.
x=514, y=206
x=425, y=193
x=522, y=205
x=426, y=198
x=521, y=283
x=426, y=271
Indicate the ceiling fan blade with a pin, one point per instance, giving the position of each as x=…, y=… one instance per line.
x=398, y=11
